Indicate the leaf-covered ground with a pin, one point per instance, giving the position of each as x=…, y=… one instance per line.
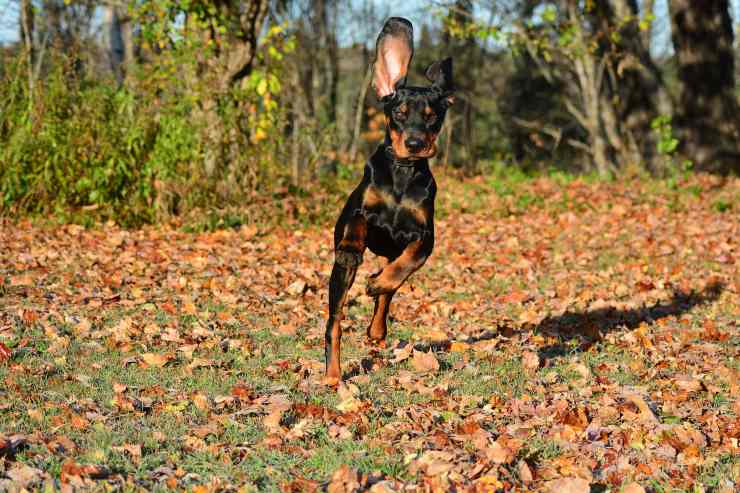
x=564, y=334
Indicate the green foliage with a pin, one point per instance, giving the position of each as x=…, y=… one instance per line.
x=84, y=149
x=82, y=146
x=667, y=143
x=667, y=147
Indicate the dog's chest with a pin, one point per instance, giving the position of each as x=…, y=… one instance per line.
x=394, y=206
x=400, y=203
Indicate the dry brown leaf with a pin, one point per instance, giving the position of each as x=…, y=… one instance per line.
x=568, y=485
x=425, y=362
x=156, y=359
x=402, y=354
x=201, y=401
x=646, y=414
x=344, y=480
x=5, y=352
x=433, y=463
x=459, y=347
x=498, y=454
x=530, y=360
x=71, y=469
x=633, y=488
x=687, y=383
x=271, y=422
x=525, y=473
x=119, y=388
x=24, y=476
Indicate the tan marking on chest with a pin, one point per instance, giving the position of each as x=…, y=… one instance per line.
x=374, y=196
x=415, y=210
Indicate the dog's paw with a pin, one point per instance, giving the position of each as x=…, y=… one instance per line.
x=348, y=260
x=331, y=381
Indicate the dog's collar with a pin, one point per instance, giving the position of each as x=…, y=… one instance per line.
x=401, y=162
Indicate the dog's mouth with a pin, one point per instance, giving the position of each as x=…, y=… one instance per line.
x=401, y=151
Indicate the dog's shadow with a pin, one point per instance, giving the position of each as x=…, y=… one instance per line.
x=578, y=331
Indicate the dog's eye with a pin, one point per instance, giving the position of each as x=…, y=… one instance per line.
x=399, y=114
x=430, y=118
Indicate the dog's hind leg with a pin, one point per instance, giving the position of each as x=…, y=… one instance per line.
x=348, y=257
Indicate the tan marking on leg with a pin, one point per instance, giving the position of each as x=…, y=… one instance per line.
x=354, y=236
x=378, y=327
x=395, y=273
x=334, y=371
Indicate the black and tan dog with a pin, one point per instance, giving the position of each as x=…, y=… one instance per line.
x=391, y=212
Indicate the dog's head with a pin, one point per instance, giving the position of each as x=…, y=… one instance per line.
x=414, y=115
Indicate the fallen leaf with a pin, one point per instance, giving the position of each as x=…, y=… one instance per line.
x=568, y=485
x=633, y=488
x=645, y=413
x=201, y=401
x=119, y=388
x=71, y=469
x=687, y=383
x=296, y=288
x=525, y=474
x=5, y=352
x=156, y=359
x=433, y=462
x=425, y=362
x=530, y=360
x=271, y=422
x=402, y=354
x=459, y=347
x=24, y=476
x=344, y=480
x=498, y=454
x=489, y=482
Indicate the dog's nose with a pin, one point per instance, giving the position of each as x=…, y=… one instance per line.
x=414, y=144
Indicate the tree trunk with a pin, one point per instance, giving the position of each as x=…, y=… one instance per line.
x=648, y=12
x=26, y=35
x=359, y=112
x=466, y=59
x=231, y=28
x=114, y=38
x=707, y=119
x=639, y=84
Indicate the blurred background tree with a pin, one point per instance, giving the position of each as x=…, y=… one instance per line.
x=138, y=110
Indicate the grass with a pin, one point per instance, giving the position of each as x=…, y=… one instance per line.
x=79, y=312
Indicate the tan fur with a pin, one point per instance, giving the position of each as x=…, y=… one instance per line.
x=415, y=210
x=396, y=272
x=373, y=197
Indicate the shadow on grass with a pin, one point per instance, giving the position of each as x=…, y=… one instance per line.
x=586, y=328
x=577, y=331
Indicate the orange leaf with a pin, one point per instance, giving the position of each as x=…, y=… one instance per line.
x=425, y=362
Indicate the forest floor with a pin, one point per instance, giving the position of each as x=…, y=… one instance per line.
x=565, y=336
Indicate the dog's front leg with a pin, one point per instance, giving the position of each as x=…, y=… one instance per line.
x=347, y=258
x=397, y=271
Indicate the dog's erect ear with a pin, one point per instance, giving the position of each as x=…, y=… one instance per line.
x=440, y=74
x=393, y=52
